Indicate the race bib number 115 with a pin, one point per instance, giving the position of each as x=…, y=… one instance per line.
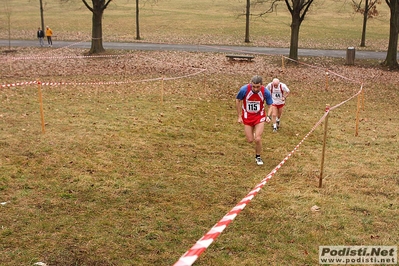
x=253, y=106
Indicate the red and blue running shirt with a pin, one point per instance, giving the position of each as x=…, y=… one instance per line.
x=253, y=109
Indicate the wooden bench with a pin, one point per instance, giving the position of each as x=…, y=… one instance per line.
x=240, y=57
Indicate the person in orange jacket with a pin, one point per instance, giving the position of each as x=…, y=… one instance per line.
x=49, y=33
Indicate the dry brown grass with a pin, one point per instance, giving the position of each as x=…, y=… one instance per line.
x=121, y=178
x=328, y=25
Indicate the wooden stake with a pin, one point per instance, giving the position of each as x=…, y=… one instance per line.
x=324, y=146
x=362, y=98
x=282, y=62
x=326, y=80
x=41, y=106
x=124, y=69
x=357, y=115
x=162, y=83
x=204, y=82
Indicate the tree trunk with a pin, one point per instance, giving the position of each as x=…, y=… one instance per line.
x=365, y=15
x=41, y=14
x=298, y=7
x=137, y=21
x=97, y=31
x=247, y=13
x=391, y=59
x=295, y=25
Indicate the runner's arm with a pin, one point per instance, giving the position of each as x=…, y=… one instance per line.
x=239, y=107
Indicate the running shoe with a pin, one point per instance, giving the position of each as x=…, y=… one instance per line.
x=258, y=161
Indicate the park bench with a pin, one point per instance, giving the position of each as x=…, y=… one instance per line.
x=240, y=57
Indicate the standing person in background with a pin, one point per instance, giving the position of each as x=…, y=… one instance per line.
x=250, y=105
x=49, y=33
x=40, y=36
x=279, y=92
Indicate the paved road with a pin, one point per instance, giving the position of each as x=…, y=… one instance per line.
x=201, y=48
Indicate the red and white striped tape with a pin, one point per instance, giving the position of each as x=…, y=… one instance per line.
x=317, y=67
x=18, y=84
x=96, y=83
x=62, y=57
x=201, y=245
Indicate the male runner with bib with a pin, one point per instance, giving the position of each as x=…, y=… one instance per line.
x=279, y=92
x=250, y=105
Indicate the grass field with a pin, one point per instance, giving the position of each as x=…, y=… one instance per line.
x=142, y=154
x=329, y=24
x=136, y=173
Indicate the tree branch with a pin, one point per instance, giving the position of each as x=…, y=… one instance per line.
x=307, y=4
x=288, y=6
x=87, y=5
x=105, y=6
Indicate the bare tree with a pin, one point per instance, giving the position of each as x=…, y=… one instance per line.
x=152, y=2
x=369, y=11
x=391, y=59
x=97, y=29
x=298, y=10
x=41, y=14
x=137, y=21
x=247, y=15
